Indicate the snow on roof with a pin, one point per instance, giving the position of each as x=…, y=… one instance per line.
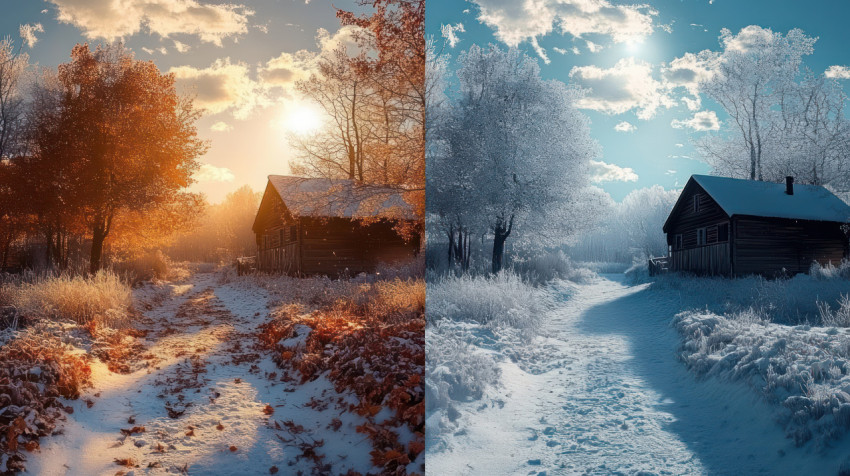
x=768, y=199
x=321, y=197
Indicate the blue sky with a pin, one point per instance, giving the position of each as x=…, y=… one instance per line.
x=240, y=59
x=668, y=29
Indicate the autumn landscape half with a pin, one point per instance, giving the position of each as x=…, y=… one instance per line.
x=211, y=238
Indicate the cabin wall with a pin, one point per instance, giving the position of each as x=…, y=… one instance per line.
x=712, y=257
x=335, y=246
x=278, y=248
x=773, y=246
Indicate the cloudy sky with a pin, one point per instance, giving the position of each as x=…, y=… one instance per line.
x=240, y=60
x=639, y=62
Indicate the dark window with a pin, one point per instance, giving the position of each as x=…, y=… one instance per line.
x=280, y=236
x=678, y=242
x=723, y=233
x=696, y=202
x=700, y=236
x=293, y=233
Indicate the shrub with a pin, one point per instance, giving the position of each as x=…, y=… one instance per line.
x=543, y=268
x=830, y=271
x=103, y=299
x=149, y=266
x=503, y=300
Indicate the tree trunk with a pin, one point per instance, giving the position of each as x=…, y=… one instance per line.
x=98, y=236
x=451, y=236
x=501, y=232
x=100, y=230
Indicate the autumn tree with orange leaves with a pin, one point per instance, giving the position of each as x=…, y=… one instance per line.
x=118, y=141
x=375, y=101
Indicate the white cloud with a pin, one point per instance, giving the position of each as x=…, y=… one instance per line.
x=679, y=145
x=287, y=68
x=690, y=70
x=181, y=47
x=560, y=51
x=626, y=86
x=450, y=32
x=221, y=87
x=576, y=50
x=751, y=37
x=344, y=37
x=702, y=121
x=605, y=172
x=625, y=127
x=117, y=19
x=221, y=126
x=211, y=173
x=836, y=71
x=593, y=47
x=517, y=21
x=28, y=32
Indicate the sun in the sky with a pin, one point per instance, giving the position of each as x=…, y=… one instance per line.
x=302, y=118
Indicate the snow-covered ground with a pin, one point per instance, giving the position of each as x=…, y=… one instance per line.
x=209, y=402
x=608, y=396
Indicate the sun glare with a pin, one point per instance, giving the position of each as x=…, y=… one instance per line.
x=302, y=119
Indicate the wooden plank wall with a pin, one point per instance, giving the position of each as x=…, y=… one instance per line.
x=335, y=246
x=709, y=259
x=772, y=246
x=281, y=259
x=686, y=221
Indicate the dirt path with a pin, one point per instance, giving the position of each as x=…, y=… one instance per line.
x=611, y=398
x=209, y=402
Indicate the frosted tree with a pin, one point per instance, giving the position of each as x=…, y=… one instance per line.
x=755, y=71
x=815, y=133
x=516, y=151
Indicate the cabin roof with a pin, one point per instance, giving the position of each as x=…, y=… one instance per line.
x=321, y=197
x=768, y=199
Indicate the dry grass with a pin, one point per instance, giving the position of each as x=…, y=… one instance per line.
x=103, y=298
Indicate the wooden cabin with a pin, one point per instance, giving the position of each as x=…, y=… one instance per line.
x=733, y=227
x=332, y=227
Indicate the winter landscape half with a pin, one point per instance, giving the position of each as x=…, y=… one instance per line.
x=637, y=227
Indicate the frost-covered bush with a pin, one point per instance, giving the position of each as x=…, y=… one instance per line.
x=785, y=301
x=830, y=271
x=804, y=370
x=455, y=370
x=839, y=317
x=104, y=298
x=542, y=268
x=503, y=300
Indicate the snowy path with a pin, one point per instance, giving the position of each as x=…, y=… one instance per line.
x=611, y=398
x=201, y=394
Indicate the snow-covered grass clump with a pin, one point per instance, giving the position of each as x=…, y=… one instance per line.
x=504, y=300
x=545, y=267
x=474, y=323
x=804, y=370
x=102, y=299
x=796, y=300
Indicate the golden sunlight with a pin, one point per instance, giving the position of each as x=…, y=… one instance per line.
x=302, y=118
